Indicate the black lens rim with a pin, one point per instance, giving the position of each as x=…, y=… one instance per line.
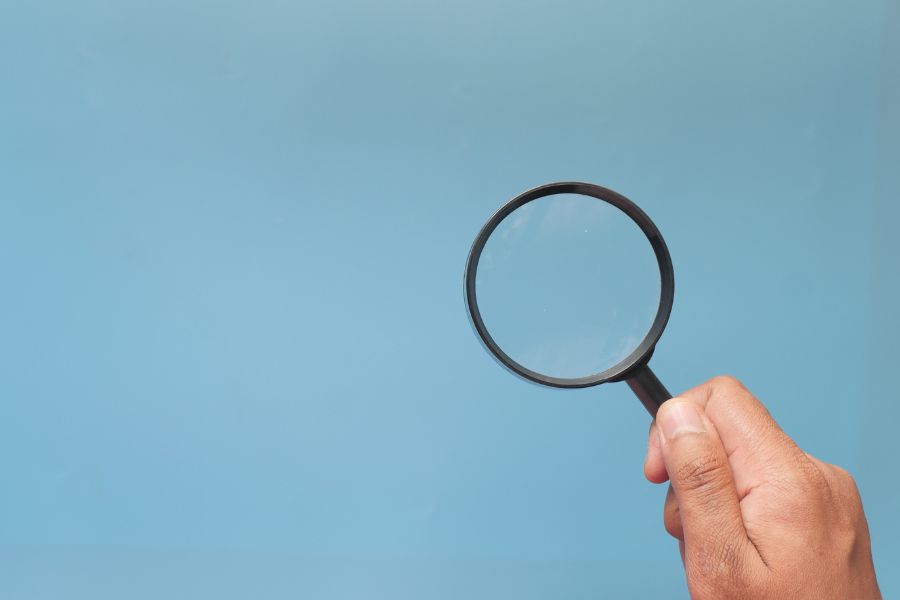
x=642, y=353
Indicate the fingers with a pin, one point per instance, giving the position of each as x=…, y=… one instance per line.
x=724, y=448
x=757, y=449
x=672, y=517
x=710, y=515
x=654, y=467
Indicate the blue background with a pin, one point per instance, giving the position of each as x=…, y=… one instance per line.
x=234, y=358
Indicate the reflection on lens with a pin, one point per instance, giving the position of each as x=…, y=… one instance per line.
x=568, y=285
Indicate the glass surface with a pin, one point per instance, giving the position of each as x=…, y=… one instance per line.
x=568, y=285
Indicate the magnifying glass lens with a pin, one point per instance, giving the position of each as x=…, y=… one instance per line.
x=568, y=285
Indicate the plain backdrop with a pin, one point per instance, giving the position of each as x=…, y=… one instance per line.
x=234, y=355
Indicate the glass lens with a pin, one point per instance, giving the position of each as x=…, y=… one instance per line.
x=568, y=285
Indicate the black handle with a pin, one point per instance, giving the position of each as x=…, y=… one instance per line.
x=651, y=392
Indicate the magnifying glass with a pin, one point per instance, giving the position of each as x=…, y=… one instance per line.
x=570, y=285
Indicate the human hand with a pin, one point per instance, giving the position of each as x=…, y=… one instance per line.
x=754, y=515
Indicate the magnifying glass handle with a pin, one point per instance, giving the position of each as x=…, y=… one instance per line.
x=651, y=392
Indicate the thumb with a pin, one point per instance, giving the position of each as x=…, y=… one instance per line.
x=715, y=539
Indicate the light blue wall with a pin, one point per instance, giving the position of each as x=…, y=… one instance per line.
x=234, y=358
x=877, y=470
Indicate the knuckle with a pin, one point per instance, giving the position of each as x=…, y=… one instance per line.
x=807, y=477
x=727, y=383
x=842, y=473
x=844, y=477
x=811, y=475
x=849, y=498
